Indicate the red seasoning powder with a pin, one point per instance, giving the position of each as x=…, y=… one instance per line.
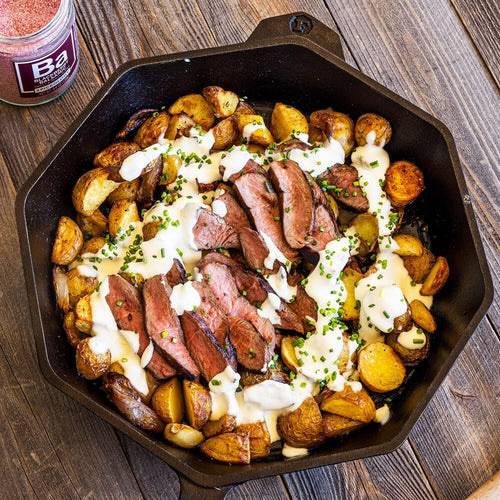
x=38, y=50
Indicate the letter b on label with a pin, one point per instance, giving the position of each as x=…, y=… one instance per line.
x=46, y=66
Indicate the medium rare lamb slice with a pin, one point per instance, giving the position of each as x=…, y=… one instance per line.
x=249, y=167
x=124, y=300
x=255, y=250
x=342, y=182
x=177, y=273
x=234, y=215
x=304, y=306
x=261, y=202
x=296, y=200
x=164, y=327
x=288, y=145
x=212, y=231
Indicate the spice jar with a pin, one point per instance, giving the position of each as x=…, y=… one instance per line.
x=38, y=50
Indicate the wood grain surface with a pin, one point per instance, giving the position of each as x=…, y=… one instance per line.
x=443, y=55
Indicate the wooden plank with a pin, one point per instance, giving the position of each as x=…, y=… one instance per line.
x=482, y=21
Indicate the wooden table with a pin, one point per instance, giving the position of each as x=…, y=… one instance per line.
x=444, y=56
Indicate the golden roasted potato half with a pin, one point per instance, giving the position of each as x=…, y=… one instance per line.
x=79, y=285
x=336, y=425
x=135, y=279
x=92, y=189
x=95, y=224
x=89, y=364
x=229, y=448
x=410, y=357
x=421, y=315
x=150, y=230
x=303, y=427
x=244, y=108
x=94, y=245
x=83, y=315
x=380, y=368
x=356, y=405
x=366, y=226
x=111, y=158
x=171, y=166
x=336, y=125
x=223, y=102
x=168, y=401
x=116, y=367
x=226, y=133
x=351, y=307
x=68, y=242
x=333, y=203
x=179, y=125
x=153, y=129
x=227, y=423
x=122, y=214
x=260, y=136
x=71, y=331
x=315, y=135
x=403, y=322
x=404, y=182
x=60, y=282
x=198, y=403
x=260, y=439
x=288, y=353
x=196, y=107
x=370, y=122
x=409, y=246
x=127, y=190
x=419, y=267
x=286, y=120
x=182, y=435
x=437, y=277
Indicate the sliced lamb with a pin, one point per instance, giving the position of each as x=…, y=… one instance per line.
x=343, y=178
x=212, y=231
x=296, y=200
x=235, y=216
x=177, y=273
x=303, y=305
x=255, y=250
x=124, y=300
x=290, y=144
x=164, y=327
x=249, y=167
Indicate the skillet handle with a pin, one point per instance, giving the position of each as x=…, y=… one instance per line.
x=190, y=491
x=298, y=25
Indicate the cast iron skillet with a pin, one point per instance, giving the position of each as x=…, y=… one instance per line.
x=297, y=60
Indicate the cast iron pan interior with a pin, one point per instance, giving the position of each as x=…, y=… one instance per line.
x=291, y=59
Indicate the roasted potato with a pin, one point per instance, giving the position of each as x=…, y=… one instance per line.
x=336, y=425
x=226, y=423
x=179, y=125
x=370, y=122
x=112, y=157
x=94, y=245
x=198, y=403
x=404, y=182
x=71, y=331
x=171, y=165
x=350, y=404
x=223, y=102
x=333, y=204
x=229, y=448
x=380, y=368
x=422, y=316
x=136, y=279
x=61, y=289
x=351, y=307
x=150, y=230
x=79, y=285
x=260, y=439
x=244, y=108
x=168, y=401
x=122, y=214
x=437, y=277
x=226, y=133
x=343, y=359
x=288, y=353
x=83, y=315
x=116, y=367
x=336, y=125
x=419, y=267
x=315, y=135
x=133, y=123
x=276, y=373
x=182, y=435
x=95, y=224
x=409, y=246
x=196, y=107
x=89, y=364
x=303, y=427
x=127, y=190
x=68, y=242
x=153, y=130
x=91, y=189
x=366, y=226
x=286, y=120
x=403, y=322
x=410, y=357
x=260, y=136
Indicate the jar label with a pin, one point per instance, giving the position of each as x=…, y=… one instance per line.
x=44, y=75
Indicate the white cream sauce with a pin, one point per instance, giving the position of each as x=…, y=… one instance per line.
x=235, y=159
x=269, y=308
x=250, y=128
x=279, y=283
x=382, y=415
x=184, y=297
x=413, y=339
x=219, y=208
x=274, y=253
x=291, y=452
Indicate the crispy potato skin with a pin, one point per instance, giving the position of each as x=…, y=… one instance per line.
x=72, y=333
x=344, y=354
x=226, y=133
x=409, y=246
x=152, y=130
x=83, y=315
x=127, y=190
x=419, y=267
x=303, y=427
x=196, y=107
x=168, y=401
x=366, y=226
x=135, y=279
x=93, y=245
x=380, y=368
x=336, y=125
x=79, y=285
x=179, y=125
x=262, y=137
x=410, y=357
x=61, y=288
x=150, y=230
x=89, y=364
x=223, y=102
x=226, y=423
x=112, y=157
x=404, y=182
x=422, y=316
x=372, y=122
x=315, y=135
x=260, y=439
x=171, y=165
x=68, y=242
x=229, y=448
x=182, y=435
x=403, y=322
x=336, y=425
x=198, y=403
x=122, y=214
x=95, y=224
x=350, y=404
x=351, y=309
x=437, y=277
x=288, y=353
x=286, y=120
